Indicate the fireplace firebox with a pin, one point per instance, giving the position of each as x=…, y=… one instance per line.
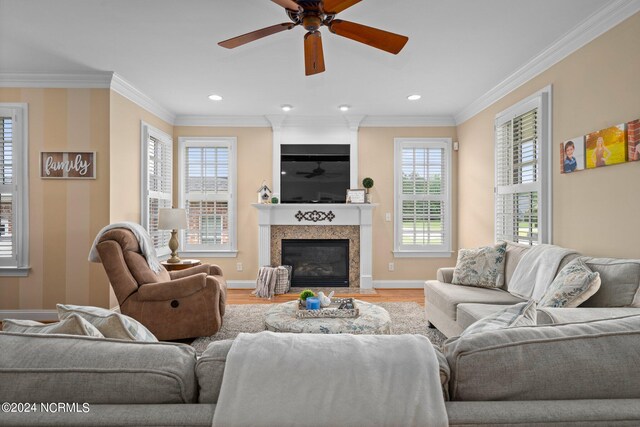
x=317, y=262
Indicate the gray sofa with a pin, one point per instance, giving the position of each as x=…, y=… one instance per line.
x=452, y=308
x=553, y=375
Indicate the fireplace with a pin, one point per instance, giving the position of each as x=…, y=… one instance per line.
x=317, y=262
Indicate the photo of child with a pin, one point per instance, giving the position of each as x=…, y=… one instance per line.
x=606, y=147
x=633, y=140
x=572, y=155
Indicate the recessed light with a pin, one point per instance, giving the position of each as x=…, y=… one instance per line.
x=414, y=97
x=344, y=108
x=286, y=108
x=215, y=97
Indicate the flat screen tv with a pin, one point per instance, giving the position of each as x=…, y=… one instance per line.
x=313, y=173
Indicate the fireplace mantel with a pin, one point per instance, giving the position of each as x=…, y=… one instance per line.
x=310, y=214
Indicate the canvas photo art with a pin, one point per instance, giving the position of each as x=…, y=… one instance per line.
x=633, y=140
x=606, y=147
x=572, y=155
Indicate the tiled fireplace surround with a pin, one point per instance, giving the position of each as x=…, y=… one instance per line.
x=319, y=221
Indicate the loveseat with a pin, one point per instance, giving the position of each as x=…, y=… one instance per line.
x=553, y=375
x=452, y=308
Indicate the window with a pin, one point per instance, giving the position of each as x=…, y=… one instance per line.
x=14, y=195
x=422, y=197
x=157, y=183
x=523, y=175
x=207, y=191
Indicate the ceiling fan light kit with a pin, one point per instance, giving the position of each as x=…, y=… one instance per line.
x=312, y=15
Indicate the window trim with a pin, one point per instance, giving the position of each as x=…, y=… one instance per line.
x=541, y=99
x=147, y=131
x=443, y=251
x=22, y=267
x=232, y=143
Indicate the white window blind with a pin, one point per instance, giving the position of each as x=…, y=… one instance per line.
x=207, y=193
x=423, y=195
x=521, y=193
x=7, y=244
x=157, y=183
x=13, y=190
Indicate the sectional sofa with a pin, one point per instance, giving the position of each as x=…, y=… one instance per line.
x=553, y=375
x=452, y=308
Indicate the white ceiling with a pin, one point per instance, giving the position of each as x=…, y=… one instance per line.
x=458, y=50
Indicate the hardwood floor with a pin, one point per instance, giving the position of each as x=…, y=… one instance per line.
x=243, y=296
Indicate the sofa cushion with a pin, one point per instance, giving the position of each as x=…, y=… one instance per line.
x=467, y=314
x=483, y=267
x=447, y=296
x=572, y=286
x=591, y=360
x=95, y=370
x=210, y=370
x=109, y=323
x=550, y=315
x=521, y=314
x=619, y=282
x=72, y=325
x=515, y=252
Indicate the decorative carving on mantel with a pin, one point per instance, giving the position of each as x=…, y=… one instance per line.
x=315, y=216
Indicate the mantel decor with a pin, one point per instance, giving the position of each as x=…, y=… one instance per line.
x=315, y=216
x=67, y=165
x=356, y=196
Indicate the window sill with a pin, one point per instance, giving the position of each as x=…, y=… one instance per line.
x=422, y=254
x=14, y=271
x=209, y=254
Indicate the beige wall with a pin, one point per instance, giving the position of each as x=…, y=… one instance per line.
x=595, y=211
x=254, y=151
x=376, y=160
x=64, y=215
x=125, y=155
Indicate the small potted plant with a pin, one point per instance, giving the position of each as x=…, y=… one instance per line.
x=307, y=293
x=367, y=183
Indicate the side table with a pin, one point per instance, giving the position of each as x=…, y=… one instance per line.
x=183, y=264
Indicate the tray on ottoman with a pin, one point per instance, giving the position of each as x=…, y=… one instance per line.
x=332, y=311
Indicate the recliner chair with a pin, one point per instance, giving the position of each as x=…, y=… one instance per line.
x=172, y=305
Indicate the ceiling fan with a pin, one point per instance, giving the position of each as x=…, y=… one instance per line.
x=313, y=14
x=315, y=172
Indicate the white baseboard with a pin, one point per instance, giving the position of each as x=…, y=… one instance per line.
x=241, y=284
x=398, y=284
x=38, y=315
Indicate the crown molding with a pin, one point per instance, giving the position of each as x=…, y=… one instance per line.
x=597, y=24
x=407, y=121
x=58, y=81
x=126, y=89
x=223, y=121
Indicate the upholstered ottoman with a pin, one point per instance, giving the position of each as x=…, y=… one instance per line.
x=372, y=319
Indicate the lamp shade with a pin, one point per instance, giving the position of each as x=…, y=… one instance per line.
x=172, y=219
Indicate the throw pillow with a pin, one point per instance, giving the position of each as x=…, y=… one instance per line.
x=572, y=286
x=482, y=267
x=72, y=325
x=521, y=314
x=111, y=324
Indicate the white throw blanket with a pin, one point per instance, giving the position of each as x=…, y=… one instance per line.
x=144, y=240
x=278, y=379
x=266, y=282
x=536, y=270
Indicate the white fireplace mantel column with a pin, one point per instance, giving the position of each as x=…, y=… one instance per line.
x=325, y=214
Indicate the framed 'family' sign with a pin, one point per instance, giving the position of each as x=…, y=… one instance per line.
x=67, y=165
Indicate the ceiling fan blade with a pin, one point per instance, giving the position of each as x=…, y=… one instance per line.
x=313, y=55
x=334, y=6
x=287, y=4
x=374, y=37
x=255, y=35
